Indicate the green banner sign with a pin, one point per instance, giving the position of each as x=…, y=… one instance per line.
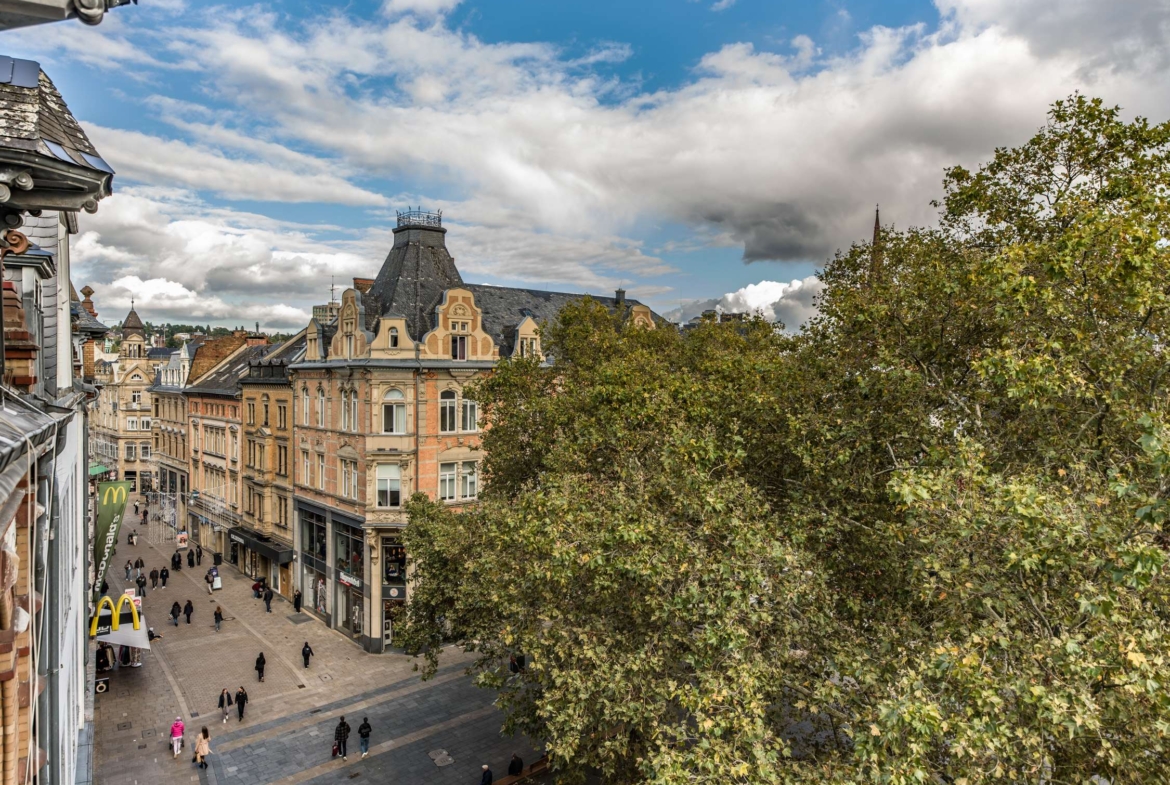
x=111, y=501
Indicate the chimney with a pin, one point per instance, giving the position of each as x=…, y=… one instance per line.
x=20, y=350
x=619, y=297
x=363, y=285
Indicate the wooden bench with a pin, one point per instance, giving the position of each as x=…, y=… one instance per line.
x=540, y=767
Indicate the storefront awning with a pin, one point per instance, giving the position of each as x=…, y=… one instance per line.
x=96, y=468
x=275, y=551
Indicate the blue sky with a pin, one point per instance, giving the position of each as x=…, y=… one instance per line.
x=698, y=153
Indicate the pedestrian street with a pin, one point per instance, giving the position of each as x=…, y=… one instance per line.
x=287, y=731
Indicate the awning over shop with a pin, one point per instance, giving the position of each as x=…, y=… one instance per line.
x=96, y=468
x=275, y=551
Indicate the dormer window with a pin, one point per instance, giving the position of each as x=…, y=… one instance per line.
x=393, y=337
x=528, y=347
x=459, y=342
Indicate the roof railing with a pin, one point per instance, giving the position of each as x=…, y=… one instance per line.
x=420, y=217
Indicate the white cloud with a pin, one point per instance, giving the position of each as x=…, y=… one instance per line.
x=722, y=5
x=554, y=164
x=792, y=303
x=161, y=300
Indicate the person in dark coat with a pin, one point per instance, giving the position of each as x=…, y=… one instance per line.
x=225, y=703
x=268, y=595
x=241, y=701
x=486, y=779
x=139, y=565
x=154, y=579
x=306, y=653
x=199, y=555
x=340, y=735
x=364, y=731
x=105, y=586
x=260, y=663
x=218, y=617
x=176, y=611
x=176, y=562
x=516, y=765
x=297, y=601
x=191, y=559
x=163, y=574
x=141, y=581
x=188, y=609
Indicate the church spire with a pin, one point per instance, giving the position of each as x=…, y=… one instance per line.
x=875, y=248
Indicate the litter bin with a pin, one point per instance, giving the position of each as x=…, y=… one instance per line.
x=218, y=559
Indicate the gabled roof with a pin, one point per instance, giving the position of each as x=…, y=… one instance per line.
x=159, y=352
x=211, y=353
x=85, y=322
x=225, y=380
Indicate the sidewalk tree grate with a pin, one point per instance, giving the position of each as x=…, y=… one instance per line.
x=123, y=726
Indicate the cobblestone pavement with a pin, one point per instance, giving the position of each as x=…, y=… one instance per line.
x=287, y=731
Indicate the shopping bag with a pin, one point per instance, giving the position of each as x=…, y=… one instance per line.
x=336, y=749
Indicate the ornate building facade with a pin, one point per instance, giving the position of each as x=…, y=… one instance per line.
x=122, y=437
x=381, y=414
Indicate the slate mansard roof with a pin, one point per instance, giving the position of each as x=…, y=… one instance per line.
x=225, y=380
x=419, y=269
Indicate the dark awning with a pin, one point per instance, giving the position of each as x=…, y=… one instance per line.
x=275, y=551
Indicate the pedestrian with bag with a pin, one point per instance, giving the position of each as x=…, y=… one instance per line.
x=188, y=609
x=202, y=748
x=218, y=617
x=154, y=579
x=268, y=595
x=364, y=731
x=340, y=735
x=241, y=701
x=225, y=703
x=199, y=555
x=191, y=559
x=176, y=611
x=209, y=581
x=306, y=653
x=163, y=574
x=177, y=735
x=260, y=662
x=297, y=601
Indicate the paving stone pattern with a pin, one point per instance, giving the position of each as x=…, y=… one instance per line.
x=287, y=732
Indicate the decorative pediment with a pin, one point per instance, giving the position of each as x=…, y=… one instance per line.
x=348, y=453
x=352, y=339
x=458, y=332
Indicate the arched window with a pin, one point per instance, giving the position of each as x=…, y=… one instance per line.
x=320, y=407
x=393, y=337
x=394, y=412
x=447, y=411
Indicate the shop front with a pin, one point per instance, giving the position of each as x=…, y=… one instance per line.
x=349, y=557
x=393, y=586
x=260, y=556
x=312, y=539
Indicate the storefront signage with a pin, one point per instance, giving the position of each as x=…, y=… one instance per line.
x=111, y=505
x=97, y=628
x=349, y=580
x=237, y=538
x=394, y=592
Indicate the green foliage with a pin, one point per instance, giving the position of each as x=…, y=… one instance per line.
x=923, y=541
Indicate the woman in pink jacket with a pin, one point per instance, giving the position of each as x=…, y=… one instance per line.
x=177, y=735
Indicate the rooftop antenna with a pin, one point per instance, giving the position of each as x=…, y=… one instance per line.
x=332, y=290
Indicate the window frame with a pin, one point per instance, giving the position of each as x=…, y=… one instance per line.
x=448, y=408
x=386, y=477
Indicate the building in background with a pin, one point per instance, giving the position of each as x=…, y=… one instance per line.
x=122, y=425
x=265, y=537
x=171, y=453
x=380, y=414
x=214, y=406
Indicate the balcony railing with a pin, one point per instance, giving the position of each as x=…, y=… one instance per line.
x=420, y=217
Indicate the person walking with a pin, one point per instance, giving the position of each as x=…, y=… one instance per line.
x=136, y=509
x=268, y=595
x=191, y=559
x=515, y=766
x=241, y=701
x=177, y=735
x=306, y=653
x=209, y=581
x=486, y=779
x=176, y=562
x=218, y=617
x=176, y=611
x=143, y=522
x=139, y=565
x=340, y=735
x=141, y=582
x=129, y=568
x=364, y=731
x=260, y=662
x=163, y=574
x=225, y=703
x=199, y=555
x=188, y=609
x=297, y=601
x=154, y=579
x=202, y=747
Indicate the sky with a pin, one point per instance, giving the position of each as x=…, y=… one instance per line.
x=698, y=153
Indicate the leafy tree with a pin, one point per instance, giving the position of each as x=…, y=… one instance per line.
x=923, y=541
